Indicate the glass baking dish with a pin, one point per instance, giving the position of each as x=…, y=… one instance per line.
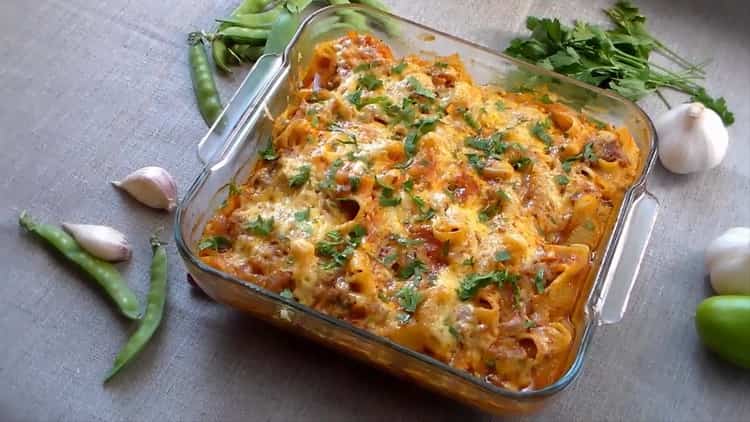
x=231, y=146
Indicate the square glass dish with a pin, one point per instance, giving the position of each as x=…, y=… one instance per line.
x=231, y=147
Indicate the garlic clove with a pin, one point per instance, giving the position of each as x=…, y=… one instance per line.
x=152, y=186
x=103, y=242
x=692, y=138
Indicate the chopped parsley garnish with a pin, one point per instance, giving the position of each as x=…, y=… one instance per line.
x=411, y=142
x=470, y=120
x=260, y=226
x=355, y=98
x=539, y=281
x=425, y=213
x=473, y=282
x=328, y=181
x=588, y=225
x=287, y=294
x=409, y=298
x=529, y=323
x=389, y=259
x=413, y=269
x=493, y=146
x=562, y=179
x=454, y=332
x=539, y=129
x=399, y=68
x=362, y=67
x=545, y=99
x=419, y=89
x=499, y=105
x=354, y=182
x=521, y=163
x=441, y=65
x=587, y=154
x=303, y=215
x=469, y=262
x=476, y=162
x=488, y=213
x=302, y=176
x=502, y=256
x=369, y=81
x=217, y=243
x=339, y=249
x=234, y=189
x=269, y=152
x=387, y=199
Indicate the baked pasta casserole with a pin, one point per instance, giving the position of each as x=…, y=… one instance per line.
x=455, y=219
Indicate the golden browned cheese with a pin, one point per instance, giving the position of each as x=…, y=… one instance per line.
x=455, y=219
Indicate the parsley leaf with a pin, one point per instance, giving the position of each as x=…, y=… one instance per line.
x=302, y=176
x=301, y=216
x=473, y=282
x=521, y=163
x=339, y=249
x=328, y=181
x=409, y=298
x=269, y=152
x=413, y=269
x=218, y=243
x=260, y=226
x=419, y=89
x=399, y=68
x=362, y=67
x=502, y=256
x=539, y=129
x=499, y=105
x=354, y=182
x=539, y=281
x=471, y=121
x=562, y=179
x=369, y=81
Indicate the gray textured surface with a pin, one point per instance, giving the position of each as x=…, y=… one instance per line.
x=92, y=90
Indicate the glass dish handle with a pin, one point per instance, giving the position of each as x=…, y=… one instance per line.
x=626, y=259
x=239, y=107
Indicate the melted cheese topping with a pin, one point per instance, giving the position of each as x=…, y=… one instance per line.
x=458, y=220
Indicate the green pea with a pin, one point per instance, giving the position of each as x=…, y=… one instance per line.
x=282, y=32
x=157, y=297
x=204, y=87
x=104, y=273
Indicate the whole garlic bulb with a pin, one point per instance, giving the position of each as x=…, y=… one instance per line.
x=692, y=138
x=728, y=262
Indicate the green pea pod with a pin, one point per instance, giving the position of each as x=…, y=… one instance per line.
x=220, y=54
x=247, y=53
x=157, y=297
x=297, y=6
x=254, y=20
x=241, y=35
x=104, y=273
x=388, y=24
x=206, y=94
x=282, y=32
x=251, y=6
x=723, y=323
x=355, y=19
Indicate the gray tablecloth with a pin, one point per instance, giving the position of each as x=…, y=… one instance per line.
x=91, y=90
